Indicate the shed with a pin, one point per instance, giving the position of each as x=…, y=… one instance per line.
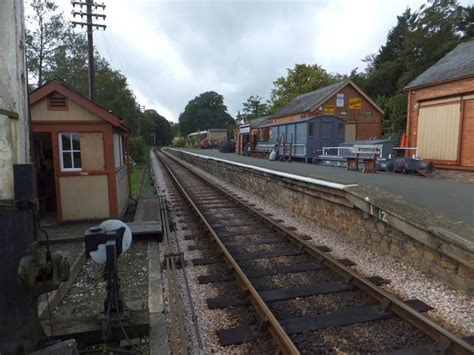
x=440, y=118
x=80, y=154
x=247, y=135
x=345, y=100
x=307, y=136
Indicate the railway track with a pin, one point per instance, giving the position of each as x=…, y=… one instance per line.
x=308, y=301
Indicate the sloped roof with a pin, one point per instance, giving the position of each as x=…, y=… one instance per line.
x=456, y=64
x=57, y=86
x=257, y=122
x=305, y=102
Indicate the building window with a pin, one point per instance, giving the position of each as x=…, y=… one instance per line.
x=311, y=129
x=118, y=150
x=340, y=100
x=70, y=151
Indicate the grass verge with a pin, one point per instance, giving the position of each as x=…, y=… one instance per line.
x=136, y=178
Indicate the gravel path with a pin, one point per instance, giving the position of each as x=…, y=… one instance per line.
x=453, y=309
x=87, y=294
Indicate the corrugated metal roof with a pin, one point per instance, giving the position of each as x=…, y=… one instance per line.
x=456, y=64
x=197, y=133
x=305, y=102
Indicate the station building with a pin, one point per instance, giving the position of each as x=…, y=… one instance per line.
x=81, y=156
x=345, y=100
x=440, y=111
x=340, y=102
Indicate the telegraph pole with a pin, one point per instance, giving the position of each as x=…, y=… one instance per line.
x=90, y=25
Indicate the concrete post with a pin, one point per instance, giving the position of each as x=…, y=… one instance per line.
x=14, y=120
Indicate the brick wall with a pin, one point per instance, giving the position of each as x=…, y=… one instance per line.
x=467, y=145
x=438, y=92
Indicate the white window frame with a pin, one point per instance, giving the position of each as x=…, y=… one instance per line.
x=72, y=151
x=118, y=150
x=340, y=99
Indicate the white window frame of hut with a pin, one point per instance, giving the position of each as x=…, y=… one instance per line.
x=118, y=150
x=71, y=151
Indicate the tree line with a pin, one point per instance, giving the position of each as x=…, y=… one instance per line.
x=55, y=51
x=418, y=40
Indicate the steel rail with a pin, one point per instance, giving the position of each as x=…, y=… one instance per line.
x=283, y=340
x=444, y=339
x=179, y=342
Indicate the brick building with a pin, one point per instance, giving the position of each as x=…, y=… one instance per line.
x=343, y=99
x=440, y=114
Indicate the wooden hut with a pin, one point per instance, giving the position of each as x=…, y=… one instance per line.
x=247, y=135
x=81, y=156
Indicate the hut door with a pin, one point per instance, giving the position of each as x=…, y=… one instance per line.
x=245, y=143
x=327, y=133
x=438, y=132
x=45, y=178
x=350, y=135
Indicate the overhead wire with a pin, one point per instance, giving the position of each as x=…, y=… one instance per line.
x=110, y=38
x=104, y=39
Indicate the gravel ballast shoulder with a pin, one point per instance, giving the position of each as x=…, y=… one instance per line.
x=87, y=294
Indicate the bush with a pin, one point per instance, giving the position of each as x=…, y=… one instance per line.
x=137, y=149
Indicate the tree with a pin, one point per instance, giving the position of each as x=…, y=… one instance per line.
x=417, y=41
x=162, y=129
x=301, y=79
x=388, y=66
x=69, y=62
x=434, y=31
x=395, y=108
x=44, y=37
x=55, y=51
x=466, y=25
x=203, y=112
x=254, y=108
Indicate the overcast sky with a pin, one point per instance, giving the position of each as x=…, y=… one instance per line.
x=172, y=51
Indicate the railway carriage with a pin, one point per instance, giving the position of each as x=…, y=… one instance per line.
x=303, y=139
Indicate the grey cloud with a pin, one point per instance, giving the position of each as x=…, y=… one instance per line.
x=172, y=51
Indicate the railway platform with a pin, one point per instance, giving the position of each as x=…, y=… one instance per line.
x=427, y=223
x=455, y=199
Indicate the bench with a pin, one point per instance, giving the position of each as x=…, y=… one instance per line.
x=258, y=154
x=368, y=154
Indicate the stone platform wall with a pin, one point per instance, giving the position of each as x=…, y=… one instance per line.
x=383, y=222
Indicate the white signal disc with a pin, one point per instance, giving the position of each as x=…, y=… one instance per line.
x=99, y=256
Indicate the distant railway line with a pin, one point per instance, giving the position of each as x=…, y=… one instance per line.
x=308, y=301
